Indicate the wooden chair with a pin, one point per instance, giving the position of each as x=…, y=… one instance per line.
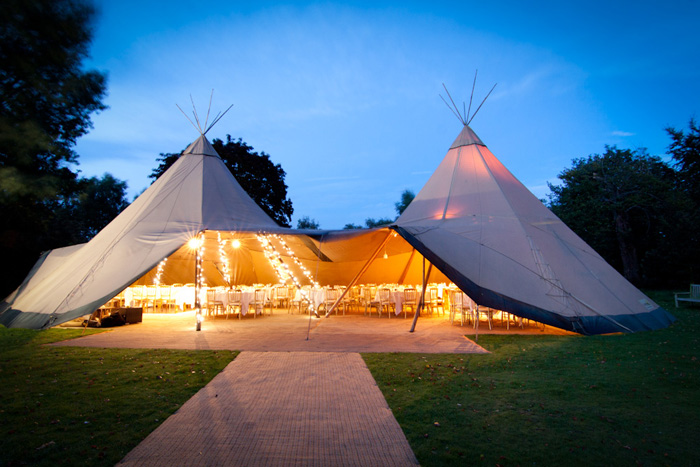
x=462, y=304
x=235, y=299
x=281, y=297
x=331, y=297
x=213, y=305
x=433, y=301
x=693, y=296
x=259, y=302
x=410, y=298
x=150, y=300
x=385, y=301
x=350, y=299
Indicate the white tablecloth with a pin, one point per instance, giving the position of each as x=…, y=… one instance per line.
x=316, y=295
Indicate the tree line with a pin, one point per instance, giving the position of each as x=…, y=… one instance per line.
x=636, y=210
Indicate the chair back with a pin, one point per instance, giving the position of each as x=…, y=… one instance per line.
x=211, y=294
x=409, y=295
x=235, y=296
x=694, y=290
x=456, y=298
x=432, y=294
x=331, y=294
x=281, y=292
x=259, y=295
x=384, y=294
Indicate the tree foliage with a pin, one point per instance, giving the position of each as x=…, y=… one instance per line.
x=624, y=204
x=94, y=205
x=262, y=179
x=406, y=198
x=685, y=150
x=307, y=223
x=46, y=100
x=371, y=222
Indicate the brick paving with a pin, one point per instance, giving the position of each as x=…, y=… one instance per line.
x=288, y=332
x=282, y=409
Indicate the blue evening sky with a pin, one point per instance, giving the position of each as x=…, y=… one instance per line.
x=346, y=96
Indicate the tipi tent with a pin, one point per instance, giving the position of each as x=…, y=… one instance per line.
x=473, y=221
x=494, y=239
x=70, y=282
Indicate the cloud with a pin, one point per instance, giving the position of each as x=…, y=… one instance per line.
x=622, y=133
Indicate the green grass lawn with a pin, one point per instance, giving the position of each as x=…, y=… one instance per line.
x=82, y=406
x=554, y=400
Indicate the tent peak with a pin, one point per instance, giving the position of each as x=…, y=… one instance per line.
x=466, y=137
x=201, y=147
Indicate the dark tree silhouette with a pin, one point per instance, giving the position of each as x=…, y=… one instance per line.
x=46, y=100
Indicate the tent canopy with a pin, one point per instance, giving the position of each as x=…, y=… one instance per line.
x=475, y=222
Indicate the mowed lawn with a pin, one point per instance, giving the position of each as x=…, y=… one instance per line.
x=554, y=400
x=547, y=400
x=81, y=406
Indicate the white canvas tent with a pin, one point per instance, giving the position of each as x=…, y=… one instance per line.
x=494, y=239
x=473, y=221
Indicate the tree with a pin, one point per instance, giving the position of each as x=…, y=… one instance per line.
x=307, y=223
x=685, y=150
x=352, y=226
x=98, y=201
x=622, y=203
x=406, y=198
x=256, y=173
x=46, y=100
x=381, y=222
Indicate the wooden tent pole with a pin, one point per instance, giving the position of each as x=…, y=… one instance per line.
x=359, y=274
x=404, y=273
x=419, y=308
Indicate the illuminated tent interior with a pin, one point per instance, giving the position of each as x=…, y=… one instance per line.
x=473, y=220
x=331, y=258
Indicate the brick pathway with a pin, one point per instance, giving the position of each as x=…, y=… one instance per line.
x=282, y=408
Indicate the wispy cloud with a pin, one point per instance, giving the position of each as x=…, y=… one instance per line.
x=622, y=133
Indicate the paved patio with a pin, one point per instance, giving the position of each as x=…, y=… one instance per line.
x=284, y=332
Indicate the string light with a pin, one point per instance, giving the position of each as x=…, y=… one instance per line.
x=289, y=251
x=159, y=271
x=282, y=270
x=200, y=270
x=224, y=260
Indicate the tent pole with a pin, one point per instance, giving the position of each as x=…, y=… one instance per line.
x=421, y=303
x=359, y=274
x=197, y=283
x=404, y=273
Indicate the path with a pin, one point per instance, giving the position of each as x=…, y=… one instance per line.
x=282, y=409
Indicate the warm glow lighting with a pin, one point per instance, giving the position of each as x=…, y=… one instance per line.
x=236, y=243
x=195, y=243
x=386, y=256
